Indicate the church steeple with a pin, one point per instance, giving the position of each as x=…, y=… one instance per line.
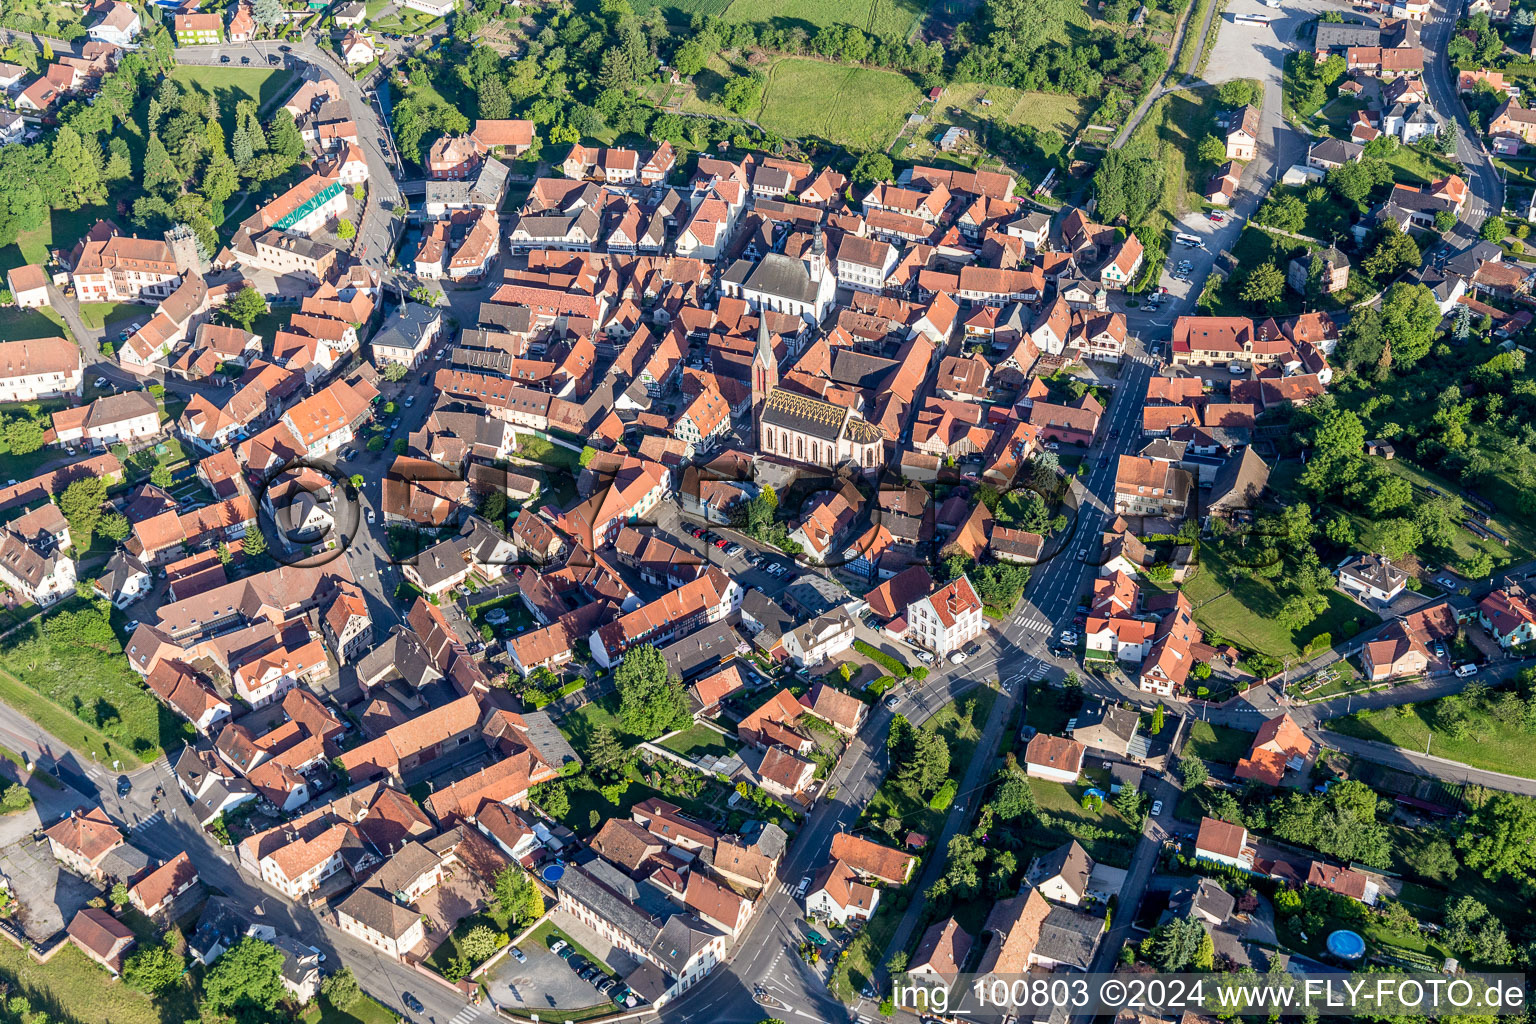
x=765, y=371
x=817, y=259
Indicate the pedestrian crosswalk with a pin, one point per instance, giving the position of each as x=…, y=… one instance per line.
x=1034, y=625
x=787, y=888
x=468, y=1015
x=154, y=819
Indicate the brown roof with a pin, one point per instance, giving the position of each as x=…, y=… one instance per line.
x=625, y=843
x=1220, y=837
x=745, y=861
x=1015, y=926
x=836, y=706
x=99, y=932
x=891, y=598
x=943, y=950
x=90, y=834
x=713, y=900
x=787, y=769
x=882, y=862
x=414, y=736
x=166, y=880
x=1056, y=752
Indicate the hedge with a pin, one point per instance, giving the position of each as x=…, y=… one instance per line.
x=879, y=657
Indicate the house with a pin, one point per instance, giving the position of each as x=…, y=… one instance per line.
x=1221, y=188
x=1279, y=745
x=1327, y=270
x=1399, y=651
x=1508, y=616
x=1327, y=154
x=947, y=619
x=872, y=860
x=838, y=896
x=1344, y=881
x=39, y=368
x=124, y=580
x=941, y=952
x=1106, y=727
x=407, y=335
x=842, y=710
x=1243, y=134
x=112, y=21
x=1152, y=487
x=1205, y=901
x=29, y=286
x=1027, y=931
x=373, y=916
x=127, y=417
x=357, y=49
x=123, y=268
x=1062, y=875
x=198, y=29
x=82, y=841
x=1224, y=843
x=102, y=937
x=301, y=964
x=785, y=775
x=1513, y=119
x=820, y=639
x=1372, y=577
x=33, y=559
x=157, y=890
x=1054, y=757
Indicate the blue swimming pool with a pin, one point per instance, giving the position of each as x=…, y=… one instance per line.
x=552, y=873
x=1346, y=944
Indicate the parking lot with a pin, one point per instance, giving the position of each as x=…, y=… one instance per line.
x=546, y=981
x=49, y=895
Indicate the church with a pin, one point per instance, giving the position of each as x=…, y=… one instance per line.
x=803, y=287
x=800, y=428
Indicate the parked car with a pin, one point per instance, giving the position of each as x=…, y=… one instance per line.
x=1462, y=671
x=925, y=657
x=1446, y=582
x=559, y=947
x=371, y=517
x=101, y=382
x=577, y=964
x=410, y=400
x=956, y=657
x=1157, y=808
x=124, y=786
x=412, y=1002
x=891, y=700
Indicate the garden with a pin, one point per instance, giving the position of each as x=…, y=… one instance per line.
x=1482, y=727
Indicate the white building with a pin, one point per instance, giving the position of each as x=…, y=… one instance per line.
x=39, y=368
x=1373, y=577
x=407, y=335
x=947, y=619
x=1056, y=758
x=824, y=637
x=1224, y=843
x=865, y=264
x=838, y=895
x=800, y=287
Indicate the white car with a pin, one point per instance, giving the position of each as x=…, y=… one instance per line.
x=1462, y=671
x=804, y=886
x=956, y=657
x=1157, y=808
x=925, y=657
x=371, y=518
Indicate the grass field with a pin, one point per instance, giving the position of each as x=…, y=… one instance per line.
x=97, y=315
x=700, y=741
x=1172, y=131
x=859, y=108
x=230, y=85
x=680, y=12
x=897, y=800
x=366, y=1011
x=1217, y=743
x=892, y=19
x=960, y=106
x=1243, y=611
x=1489, y=744
x=30, y=323
x=74, y=989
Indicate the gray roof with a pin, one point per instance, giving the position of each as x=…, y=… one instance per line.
x=548, y=740
x=1069, y=861
x=774, y=619
x=1206, y=896
x=1466, y=262
x=1337, y=151
x=409, y=863
x=702, y=650
x=811, y=595
x=125, y=863
x=679, y=939
x=1110, y=717
x=1375, y=570
x=440, y=562
x=1239, y=482
x=119, y=407
x=1070, y=936
x=584, y=888
x=484, y=189
x=784, y=277
x=1333, y=37
x=120, y=569
x=860, y=369
x=516, y=319
x=375, y=909
x=401, y=656
x=771, y=841
x=408, y=324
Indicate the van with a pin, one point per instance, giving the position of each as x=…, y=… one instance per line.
x=1462, y=671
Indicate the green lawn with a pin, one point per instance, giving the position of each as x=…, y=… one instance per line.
x=859, y=108
x=892, y=19
x=579, y=725
x=97, y=315
x=1417, y=168
x=1172, y=131
x=18, y=323
x=961, y=106
x=230, y=85
x=701, y=741
x=1242, y=611
x=367, y=1011
x=1217, y=743
x=898, y=800
x=73, y=988
x=63, y=230
x=681, y=12
x=86, y=696
x=1489, y=744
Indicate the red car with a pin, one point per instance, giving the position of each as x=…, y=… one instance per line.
x=721, y=542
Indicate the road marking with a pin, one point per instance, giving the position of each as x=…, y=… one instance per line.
x=465, y=1015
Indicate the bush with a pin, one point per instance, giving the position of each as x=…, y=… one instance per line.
x=879, y=657
x=945, y=796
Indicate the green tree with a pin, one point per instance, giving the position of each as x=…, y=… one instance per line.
x=114, y=526
x=871, y=168
x=255, y=542
x=81, y=504
x=1286, y=212
x=118, y=894
x=345, y=229
x=245, y=307
x=248, y=976
x=160, y=174
x=555, y=801
x=153, y=969
x=607, y=758
x=395, y=372
x=1394, y=252
x=1212, y=150
x=517, y=895
x=1265, y=284
x=651, y=699
x=341, y=990
x=1157, y=720
x=742, y=93
x=1175, y=944
x=479, y=943
x=1500, y=837
x=23, y=435
x=161, y=476
x=690, y=58
x=1192, y=771
x=77, y=164
x=1494, y=229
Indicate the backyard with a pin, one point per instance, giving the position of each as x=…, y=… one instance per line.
x=1217, y=743
x=1242, y=611
x=996, y=112
x=700, y=741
